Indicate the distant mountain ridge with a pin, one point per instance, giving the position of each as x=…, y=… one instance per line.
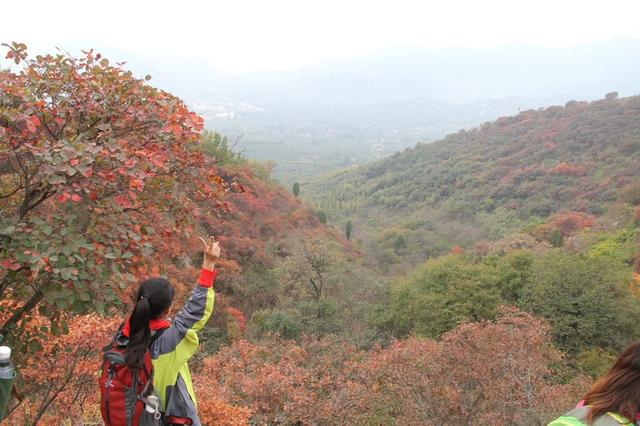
x=357, y=110
x=491, y=180
x=352, y=111
x=450, y=75
x=454, y=75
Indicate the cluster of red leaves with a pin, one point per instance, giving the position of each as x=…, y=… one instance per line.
x=570, y=222
x=238, y=318
x=59, y=382
x=566, y=223
x=457, y=250
x=259, y=213
x=218, y=412
x=480, y=373
x=568, y=170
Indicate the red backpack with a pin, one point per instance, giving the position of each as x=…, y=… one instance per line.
x=123, y=391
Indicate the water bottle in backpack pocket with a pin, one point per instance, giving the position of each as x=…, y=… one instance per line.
x=152, y=415
x=7, y=376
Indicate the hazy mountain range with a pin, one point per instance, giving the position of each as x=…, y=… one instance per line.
x=447, y=75
x=352, y=111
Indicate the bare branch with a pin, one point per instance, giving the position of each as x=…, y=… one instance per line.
x=17, y=316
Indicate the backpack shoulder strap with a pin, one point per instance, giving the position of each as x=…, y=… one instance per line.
x=156, y=335
x=148, y=387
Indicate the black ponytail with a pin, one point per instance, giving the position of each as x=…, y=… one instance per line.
x=139, y=334
x=154, y=297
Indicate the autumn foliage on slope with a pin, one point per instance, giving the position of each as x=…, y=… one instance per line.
x=487, y=182
x=497, y=372
x=479, y=373
x=103, y=184
x=260, y=212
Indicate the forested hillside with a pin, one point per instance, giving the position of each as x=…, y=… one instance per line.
x=107, y=180
x=487, y=182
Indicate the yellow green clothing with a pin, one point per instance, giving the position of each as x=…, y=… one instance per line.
x=578, y=416
x=171, y=351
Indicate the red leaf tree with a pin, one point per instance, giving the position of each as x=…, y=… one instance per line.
x=99, y=181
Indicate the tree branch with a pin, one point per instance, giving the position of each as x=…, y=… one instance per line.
x=63, y=385
x=52, y=137
x=28, y=205
x=472, y=411
x=17, y=316
x=4, y=283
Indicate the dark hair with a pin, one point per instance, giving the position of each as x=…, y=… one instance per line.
x=619, y=390
x=153, y=298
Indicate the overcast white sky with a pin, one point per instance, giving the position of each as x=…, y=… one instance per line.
x=255, y=35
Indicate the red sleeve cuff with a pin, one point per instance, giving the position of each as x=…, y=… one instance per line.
x=207, y=277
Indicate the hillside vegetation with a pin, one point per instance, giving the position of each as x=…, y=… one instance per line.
x=490, y=181
x=107, y=181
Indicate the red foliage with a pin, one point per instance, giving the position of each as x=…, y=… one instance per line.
x=567, y=170
x=100, y=180
x=213, y=411
x=457, y=250
x=262, y=212
x=60, y=379
x=569, y=222
x=479, y=373
x=239, y=318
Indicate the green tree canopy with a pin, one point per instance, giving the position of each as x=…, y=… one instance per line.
x=443, y=292
x=585, y=299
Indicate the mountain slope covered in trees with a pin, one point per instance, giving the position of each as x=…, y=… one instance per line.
x=107, y=181
x=490, y=181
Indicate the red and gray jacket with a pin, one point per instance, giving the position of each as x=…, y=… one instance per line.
x=175, y=346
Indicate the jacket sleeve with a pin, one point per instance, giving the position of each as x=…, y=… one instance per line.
x=181, y=339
